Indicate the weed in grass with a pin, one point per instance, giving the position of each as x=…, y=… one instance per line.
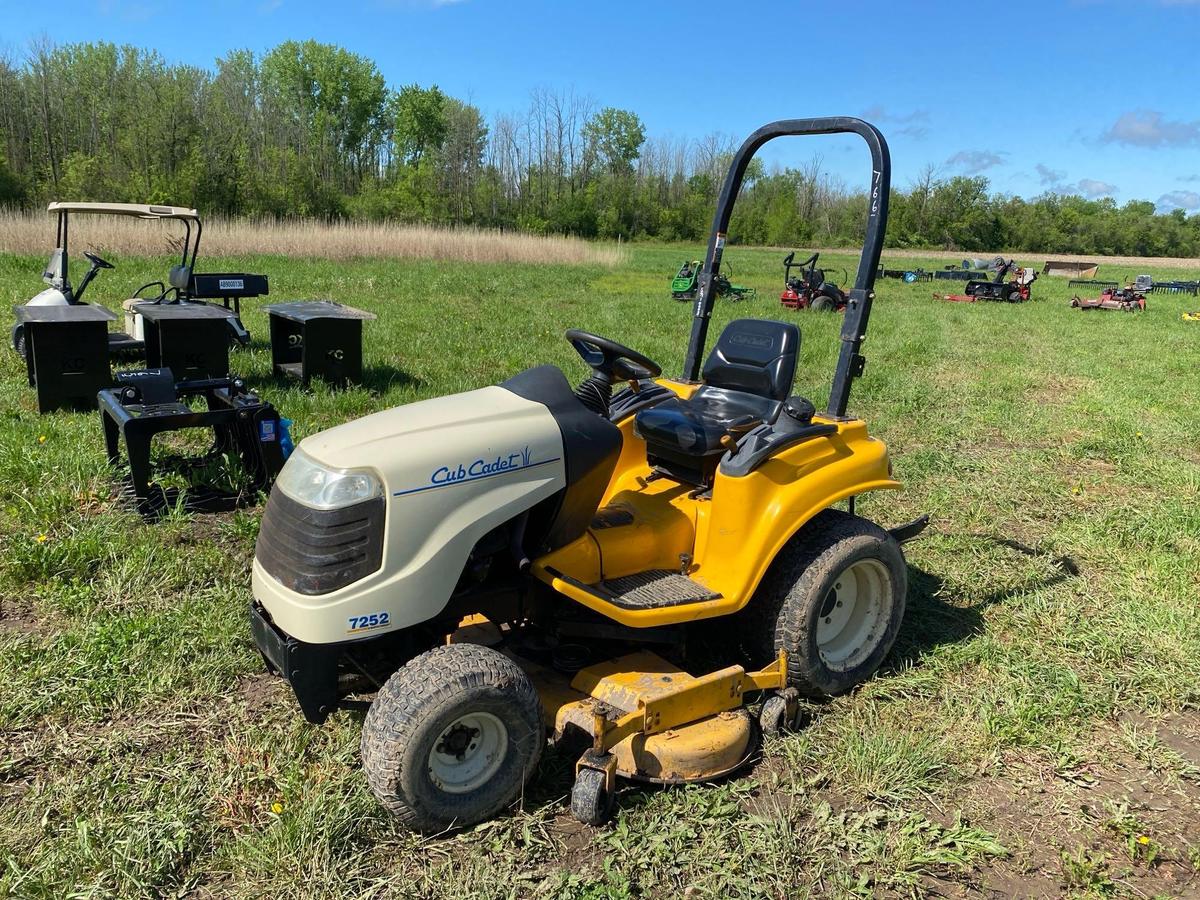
x=1140, y=845
x=1087, y=870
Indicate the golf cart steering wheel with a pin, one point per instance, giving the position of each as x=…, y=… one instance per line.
x=610, y=360
x=97, y=261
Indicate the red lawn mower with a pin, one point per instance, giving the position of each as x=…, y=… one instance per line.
x=1015, y=290
x=809, y=289
x=1125, y=299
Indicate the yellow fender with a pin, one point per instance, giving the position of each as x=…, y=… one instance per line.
x=727, y=541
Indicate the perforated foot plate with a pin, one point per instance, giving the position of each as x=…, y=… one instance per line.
x=655, y=589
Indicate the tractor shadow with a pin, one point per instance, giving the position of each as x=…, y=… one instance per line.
x=931, y=622
x=377, y=379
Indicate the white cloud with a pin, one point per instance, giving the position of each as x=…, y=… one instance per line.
x=1149, y=128
x=1049, y=176
x=1092, y=188
x=914, y=124
x=1188, y=200
x=975, y=161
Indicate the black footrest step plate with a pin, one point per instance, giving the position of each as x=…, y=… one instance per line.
x=654, y=589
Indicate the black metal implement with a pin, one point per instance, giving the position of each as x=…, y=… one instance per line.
x=1091, y=282
x=858, y=306
x=66, y=353
x=960, y=275
x=190, y=339
x=230, y=288
x=1176, y=287
x=317, y=338
x=147, y=403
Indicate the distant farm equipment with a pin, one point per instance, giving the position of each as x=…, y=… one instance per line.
x=685, y=284
x=808, y=289
x=1014, y=290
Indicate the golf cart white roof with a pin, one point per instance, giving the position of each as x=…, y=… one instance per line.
x=141, y=210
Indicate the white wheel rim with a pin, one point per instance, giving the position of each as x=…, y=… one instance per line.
x=468, y=752
x=854, y=614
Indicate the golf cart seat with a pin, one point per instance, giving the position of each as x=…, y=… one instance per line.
x=747, y=377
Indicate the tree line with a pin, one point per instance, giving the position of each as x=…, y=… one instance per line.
x=311, y=129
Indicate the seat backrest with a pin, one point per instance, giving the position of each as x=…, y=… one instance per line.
x=754, y=356
x=180, y=277
x=53, y=275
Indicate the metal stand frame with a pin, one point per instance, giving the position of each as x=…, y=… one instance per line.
x=147, y=403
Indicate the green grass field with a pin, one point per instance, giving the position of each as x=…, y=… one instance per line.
x=1034, y=733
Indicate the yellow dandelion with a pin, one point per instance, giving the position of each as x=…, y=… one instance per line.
x=41, y=439
x=41, y=538
x=277, y=807
x=1142, y=839
x=1139, y=434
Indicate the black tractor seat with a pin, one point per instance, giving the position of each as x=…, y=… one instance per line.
x=747, y=378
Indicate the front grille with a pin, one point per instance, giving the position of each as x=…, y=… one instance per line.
x=315, y=551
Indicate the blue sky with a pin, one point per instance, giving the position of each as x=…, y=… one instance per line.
x=1097, y=97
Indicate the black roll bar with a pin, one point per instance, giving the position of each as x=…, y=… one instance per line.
x=858, y=303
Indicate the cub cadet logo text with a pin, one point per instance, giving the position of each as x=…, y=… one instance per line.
x=481, y=467
x=456, y=473
x=753, y=340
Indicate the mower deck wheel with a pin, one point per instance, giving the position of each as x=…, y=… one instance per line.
x=452, y=737
x=772, y=718
x=591, y=803
x=834, y=600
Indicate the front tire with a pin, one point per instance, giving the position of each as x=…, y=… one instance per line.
x=834, y=600
x=452, y=737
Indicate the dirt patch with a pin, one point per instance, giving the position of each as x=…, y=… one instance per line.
x=1118, y=822
x=258, y=692
x=18, y=617
x=1179, y=732
x=1058, y=390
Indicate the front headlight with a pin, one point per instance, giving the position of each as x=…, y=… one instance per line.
x=307, y=481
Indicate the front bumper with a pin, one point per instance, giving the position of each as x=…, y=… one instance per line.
x=311, y=669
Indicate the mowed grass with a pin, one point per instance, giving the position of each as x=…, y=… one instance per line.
x=1033, y=725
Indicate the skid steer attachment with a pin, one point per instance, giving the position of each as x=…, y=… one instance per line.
x=248, y=432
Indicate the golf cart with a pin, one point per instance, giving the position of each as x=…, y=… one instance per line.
x=1015, y=290
x=529, y=559
x=185, y=285
x=685, y=284
x=809, y=289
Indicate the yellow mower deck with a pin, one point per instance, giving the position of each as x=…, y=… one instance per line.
x=647, y=718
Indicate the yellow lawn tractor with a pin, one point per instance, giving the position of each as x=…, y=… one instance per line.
x=527, y=561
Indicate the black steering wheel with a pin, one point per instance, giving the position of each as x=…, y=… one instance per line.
x=97, y=261
x=610, y=360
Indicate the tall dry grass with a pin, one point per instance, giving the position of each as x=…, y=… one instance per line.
x=33, y=233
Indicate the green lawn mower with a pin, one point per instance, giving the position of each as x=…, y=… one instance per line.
x=684, y=286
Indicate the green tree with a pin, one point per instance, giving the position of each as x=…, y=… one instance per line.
x=421, y=122
x=614, y=138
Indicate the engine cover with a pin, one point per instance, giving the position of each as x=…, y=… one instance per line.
x=452, y=468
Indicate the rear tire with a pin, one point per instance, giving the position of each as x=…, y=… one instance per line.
x=824, y=303
x=452, y=737
x=18, y=340
x=834, y=600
